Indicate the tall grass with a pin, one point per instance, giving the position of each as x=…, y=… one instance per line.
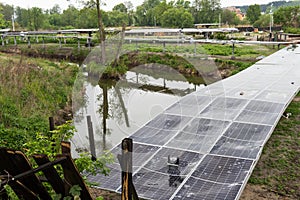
x=31, y=90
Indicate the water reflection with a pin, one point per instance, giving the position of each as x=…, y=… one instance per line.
x=118, y=108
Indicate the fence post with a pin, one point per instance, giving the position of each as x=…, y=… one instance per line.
x=128, y=190
x=232, y=57
x=51, y=123
x=59, y=39
x=43, y=38
x=29, y=45
x=15, y=40
x=78, y=41
x=89, y=43
x=91, y=137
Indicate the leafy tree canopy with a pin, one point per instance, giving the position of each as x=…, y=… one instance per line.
x=253, y=13
x=288, y=16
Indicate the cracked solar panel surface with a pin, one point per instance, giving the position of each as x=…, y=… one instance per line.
x=217, y=134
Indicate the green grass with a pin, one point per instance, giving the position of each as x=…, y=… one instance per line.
x=241, y=51
x=31, y=90
x=232, y=66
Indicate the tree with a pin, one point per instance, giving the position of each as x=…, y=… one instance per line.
x=130, y=12
x=288, y=16
x=177, y=17
x=37, y=18
x=69, y=16
x=24, y=17
x=87, y=18
x=55, y=9
x=180, y=3
x=96, y=4
x=206, y=11
x=7, y=11
x=159, y=11
x=55, y=20
x=145, y=13
x=229, y=17
x=120, y=7
x=117, y=18
x=253, y=13
x=263, y=21
x=3, y=22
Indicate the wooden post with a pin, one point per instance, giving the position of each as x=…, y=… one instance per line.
x=78, y=41
x=73, y=177
x=66, y=148
x=128, y=190
x=51, y=123
x=127, y=147
x=15, y=40
x=164, y=47
x=2, y=38
x=51, y=174
x=89, y=43
x=43, y=38
x=59, y=39
x=29, y=45
x=91, y=137
x=232, y=57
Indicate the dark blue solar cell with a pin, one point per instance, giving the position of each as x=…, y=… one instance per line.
x=169, y=122
x=248, y=132
x=223, y=169
x=154, y=185
x=186, y=160
x=236, y=148
x=196, y=189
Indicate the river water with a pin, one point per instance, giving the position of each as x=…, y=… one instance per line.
x=118, y=108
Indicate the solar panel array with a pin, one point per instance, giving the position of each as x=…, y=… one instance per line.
x=217, y=133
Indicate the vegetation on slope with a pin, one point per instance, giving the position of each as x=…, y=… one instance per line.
x=31, y=90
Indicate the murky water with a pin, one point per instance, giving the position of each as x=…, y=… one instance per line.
x=119, y=108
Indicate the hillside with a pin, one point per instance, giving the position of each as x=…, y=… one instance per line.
x=276, y=5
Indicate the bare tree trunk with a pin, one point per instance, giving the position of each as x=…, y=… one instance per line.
x=101, y=32
x=119, y=94
x=122, y=36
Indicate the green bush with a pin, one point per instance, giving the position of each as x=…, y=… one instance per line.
x=292, y=30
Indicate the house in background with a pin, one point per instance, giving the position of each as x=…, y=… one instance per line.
x=237, y=11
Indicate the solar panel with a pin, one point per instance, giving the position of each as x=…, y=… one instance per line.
x=187, y=160
x=261, y=112
x=168, y=122
x=223, y=108
x=223, y=169
x=214, y=135
x=154, y=185
x=275, y=96
x=248, y=132
x=196, y=189
x=236, y=148
x=153, y=136
x=199, y=135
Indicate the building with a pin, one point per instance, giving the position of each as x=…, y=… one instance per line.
x=237, y=11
